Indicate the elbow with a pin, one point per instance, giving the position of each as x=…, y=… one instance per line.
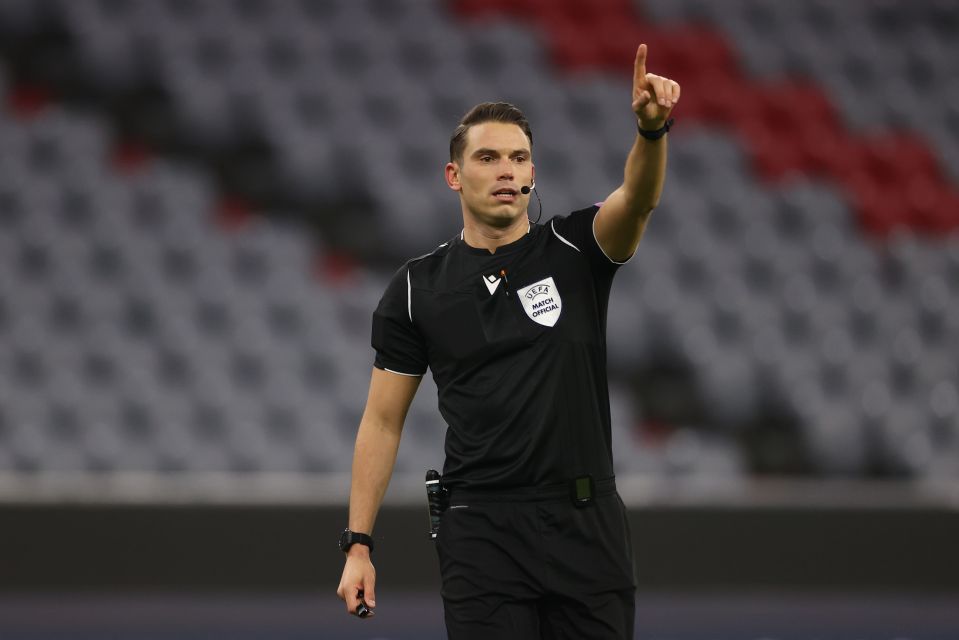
x=381, y=426
x=640, y=204
x=649, y=201
x=643, y=209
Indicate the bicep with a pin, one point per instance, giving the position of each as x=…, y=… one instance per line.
x=390, y=397
x=618, y=230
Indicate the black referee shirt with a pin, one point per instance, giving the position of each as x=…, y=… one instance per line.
x=519, y=361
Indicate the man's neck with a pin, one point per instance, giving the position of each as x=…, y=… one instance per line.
x=483, y=236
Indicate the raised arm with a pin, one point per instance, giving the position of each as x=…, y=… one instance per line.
x=621, y=219
x=377, y=441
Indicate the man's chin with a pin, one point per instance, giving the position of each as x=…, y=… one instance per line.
x=504, y=215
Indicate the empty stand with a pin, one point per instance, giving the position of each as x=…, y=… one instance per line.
x=138, y=334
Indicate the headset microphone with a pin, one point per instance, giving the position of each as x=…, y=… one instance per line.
x=525, y=191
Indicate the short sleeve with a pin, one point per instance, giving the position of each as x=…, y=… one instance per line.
x=399, y=346
x=577, y=229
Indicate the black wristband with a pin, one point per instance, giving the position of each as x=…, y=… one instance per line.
x=655, y=134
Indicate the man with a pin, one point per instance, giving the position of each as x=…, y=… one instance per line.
x=510, y=316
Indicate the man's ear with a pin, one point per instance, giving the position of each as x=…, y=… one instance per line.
x=453, y=176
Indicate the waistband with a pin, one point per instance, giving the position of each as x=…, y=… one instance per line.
x=542, y=493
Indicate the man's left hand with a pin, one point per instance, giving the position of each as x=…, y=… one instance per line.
x=653, y=96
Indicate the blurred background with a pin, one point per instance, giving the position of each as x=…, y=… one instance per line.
x=201, y=202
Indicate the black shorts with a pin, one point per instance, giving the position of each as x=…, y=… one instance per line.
x=529, y=566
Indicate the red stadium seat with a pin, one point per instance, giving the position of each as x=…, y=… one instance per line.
x=800, y=131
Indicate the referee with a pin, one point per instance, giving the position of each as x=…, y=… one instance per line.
x=510, y=316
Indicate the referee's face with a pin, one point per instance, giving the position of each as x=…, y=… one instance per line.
x=496, y=164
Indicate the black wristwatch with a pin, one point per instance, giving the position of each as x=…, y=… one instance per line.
x=349, y=538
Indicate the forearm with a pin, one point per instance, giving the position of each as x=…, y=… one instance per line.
x=377, y=441
x=621, y=220
x=373, y=460
x=645, y=174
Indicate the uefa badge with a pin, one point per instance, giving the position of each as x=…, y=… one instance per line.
x=541, y=302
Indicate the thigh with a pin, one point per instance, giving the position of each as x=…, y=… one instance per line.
x=592, y=579
x=607, y=616
x=588, y=549
x=490, y=617
x=490, y=564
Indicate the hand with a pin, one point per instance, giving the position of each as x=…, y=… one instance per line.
x=653, y=96
x=358, y=581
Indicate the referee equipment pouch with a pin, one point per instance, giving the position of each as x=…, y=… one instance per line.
x=437, y=500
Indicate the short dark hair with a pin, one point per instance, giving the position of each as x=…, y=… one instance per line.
x=487, y=112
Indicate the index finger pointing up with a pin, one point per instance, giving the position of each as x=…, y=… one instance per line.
x=639, y=68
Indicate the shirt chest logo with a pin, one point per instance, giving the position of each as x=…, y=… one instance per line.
x=491, y=283
x=541, y=302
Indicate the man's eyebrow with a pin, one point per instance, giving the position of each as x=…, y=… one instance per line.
x=493, y=152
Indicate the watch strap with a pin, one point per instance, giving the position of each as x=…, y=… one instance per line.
x=349, y=538
x=655, y=134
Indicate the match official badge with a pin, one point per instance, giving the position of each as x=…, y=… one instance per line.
x=541, y=302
